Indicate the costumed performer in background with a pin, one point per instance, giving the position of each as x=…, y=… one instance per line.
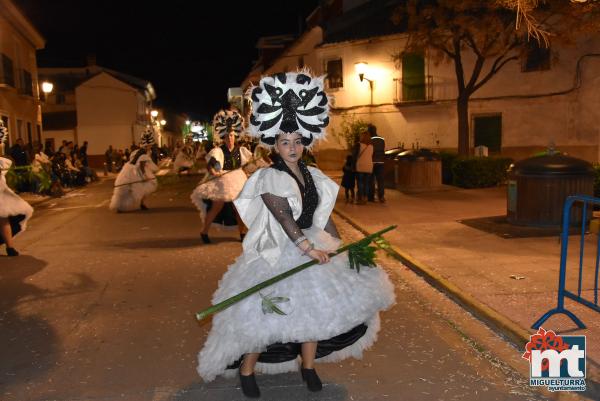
x=225, y=178
x=136, y=180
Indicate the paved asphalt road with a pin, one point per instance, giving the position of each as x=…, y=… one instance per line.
x=100, y=307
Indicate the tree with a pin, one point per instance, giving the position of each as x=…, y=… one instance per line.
x=491, y=32
x=350, y=130
x=577, y=16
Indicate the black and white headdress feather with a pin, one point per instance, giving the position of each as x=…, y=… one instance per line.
x=227, y=120
x=287, y=103
x=147, y=138
x=3, y=132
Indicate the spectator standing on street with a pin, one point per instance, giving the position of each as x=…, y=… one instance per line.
x=83, y=154
x=48, y=149
x=108, y=158
x=64, y=147
x=349, y=179
x=21, y=158
x=378, y=165
x=19, y=154
x=364, y=166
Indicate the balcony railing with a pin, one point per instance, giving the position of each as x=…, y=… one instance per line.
x=414, y=90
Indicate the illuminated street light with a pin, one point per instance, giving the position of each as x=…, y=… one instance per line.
x=187, y=122
x=361, y=70
x=154, y=113
x=163, y=122
x=47, y=87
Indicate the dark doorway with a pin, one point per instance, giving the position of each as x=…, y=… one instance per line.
x=488, y=132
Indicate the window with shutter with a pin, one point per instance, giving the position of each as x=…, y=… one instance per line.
x=335, y=76
x=7, y=70
x=26, y=83
x=537, y=58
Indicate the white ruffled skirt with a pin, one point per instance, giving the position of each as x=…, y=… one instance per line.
x=182, y=161
x=129, y=191
x=325, y=301
x=224, y=188
x=14, y=208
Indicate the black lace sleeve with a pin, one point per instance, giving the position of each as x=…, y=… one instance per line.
x=331, y=229
x=281, y=210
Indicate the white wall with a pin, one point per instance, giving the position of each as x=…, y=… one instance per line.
x=303, y=47
x=570, y=120
x=107, y=111
x=58, y=136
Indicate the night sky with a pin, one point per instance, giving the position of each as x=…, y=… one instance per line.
x=190, y=54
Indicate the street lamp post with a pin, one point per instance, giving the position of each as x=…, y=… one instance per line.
x=361, y=69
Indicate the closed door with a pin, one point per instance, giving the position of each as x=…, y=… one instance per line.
x=488, y=132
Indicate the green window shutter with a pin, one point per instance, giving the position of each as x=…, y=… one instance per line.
x=413, y=77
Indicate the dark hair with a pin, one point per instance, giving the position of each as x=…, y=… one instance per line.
x=271, y=140
x=372, y=130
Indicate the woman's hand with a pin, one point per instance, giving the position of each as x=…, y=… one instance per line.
x=319, y=255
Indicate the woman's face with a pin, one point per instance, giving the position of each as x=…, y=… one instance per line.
x=229, y=139
x=289, y=147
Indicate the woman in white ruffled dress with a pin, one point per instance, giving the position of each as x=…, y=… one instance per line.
x=14, y=211
x=136, y=180
x=332, y=311
x=184, y=158
x=225, y=178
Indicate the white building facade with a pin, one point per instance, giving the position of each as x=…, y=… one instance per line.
x=546, y=97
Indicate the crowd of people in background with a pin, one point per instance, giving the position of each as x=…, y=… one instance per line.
x=66, y=167
x=115, y=159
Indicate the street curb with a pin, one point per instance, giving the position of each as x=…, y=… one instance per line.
x=517, y=335
x=510, y=329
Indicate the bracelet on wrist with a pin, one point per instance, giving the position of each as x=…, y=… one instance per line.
x=299, y=240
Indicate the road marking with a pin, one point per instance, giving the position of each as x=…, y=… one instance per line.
x=99, y=205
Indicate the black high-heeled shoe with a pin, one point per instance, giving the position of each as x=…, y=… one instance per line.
x=249, y=386
x=313, y=382
x=11, y=252
x=205, y=238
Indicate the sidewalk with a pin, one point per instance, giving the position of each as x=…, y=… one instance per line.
x=505, y=275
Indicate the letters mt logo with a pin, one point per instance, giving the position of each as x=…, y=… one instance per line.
x=557, y=362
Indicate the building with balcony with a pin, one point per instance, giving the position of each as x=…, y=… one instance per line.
x=547, y=96
x=98, y=105
x=19, y=92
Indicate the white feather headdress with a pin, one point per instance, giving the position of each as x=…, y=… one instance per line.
x=147, y=138
x=289, y=102
x=226, y=120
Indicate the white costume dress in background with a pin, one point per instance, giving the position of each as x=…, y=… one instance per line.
x=184, y=159
x=132, y=185
x=12, y=206
x=225, y=187
x=325, y=301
